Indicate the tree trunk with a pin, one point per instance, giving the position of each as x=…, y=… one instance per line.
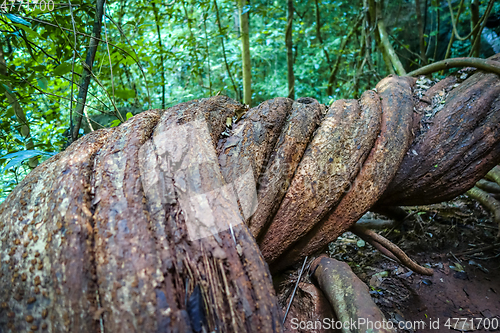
x=245, y=52
x=289, y=50
x=390, y=57
x=160, y=46
x=421, y=27
x=87, y=69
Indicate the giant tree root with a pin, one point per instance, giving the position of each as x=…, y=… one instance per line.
x=349, y=297
x=111, y=232
x=143, y=227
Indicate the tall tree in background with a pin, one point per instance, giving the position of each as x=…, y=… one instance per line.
x=160, y=46
x=87, y=69
x=474, y=20
x=245, y=51
x=289, y=51
x=421, y=37
x=390, y=57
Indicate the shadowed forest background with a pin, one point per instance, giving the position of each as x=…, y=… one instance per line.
x=69, y=68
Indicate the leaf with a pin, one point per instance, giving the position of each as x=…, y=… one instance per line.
x=124, y=93
x=62, y=69
x=129, y=115
x=42, y=82
x=246, y=9
x=115, y=123
x=29, y=31
x=6, y=87
x=17, y=19
x=18, y=157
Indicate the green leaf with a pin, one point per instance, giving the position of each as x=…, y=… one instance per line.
x=6, y=88
x=245, y=10
x=62, y=69
x=17, y=19
x=115, y=123
x=18, y=157
x=29, y=31
x=124, y=93
x=129, y=115
x=42, y=82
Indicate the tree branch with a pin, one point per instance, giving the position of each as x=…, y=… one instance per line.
x=89, y=61
x=483, y=64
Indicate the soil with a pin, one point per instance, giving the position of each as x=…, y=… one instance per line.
x=447, y=237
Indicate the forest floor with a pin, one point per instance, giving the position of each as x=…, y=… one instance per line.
x=447, y=237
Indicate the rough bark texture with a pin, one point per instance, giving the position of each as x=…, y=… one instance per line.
x=286, y=155
x=385, y=142
x=106, y=234
x=144, y=227
x=47, y=276
x=458, y=149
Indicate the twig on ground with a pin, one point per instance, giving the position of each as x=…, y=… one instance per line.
x=394, y=249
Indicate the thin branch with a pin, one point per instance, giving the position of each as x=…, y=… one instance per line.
x=137, y=56
x=208, y=53
x=160, y=46
x=394, y=249
x=101, y=40
x=483, y=64
x=85, y=80
x=438, y=13
x=420, y=32
x=487, y=201
x=477, y=38
x=224, y=49
x=289, y=50
x=295, y=289
x=73, y=70
x=483, y=18
x=110, y=69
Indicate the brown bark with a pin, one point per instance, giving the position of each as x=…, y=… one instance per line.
x=387, y=140
x=460, y=147
x=106, y=231
x=287, y=153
